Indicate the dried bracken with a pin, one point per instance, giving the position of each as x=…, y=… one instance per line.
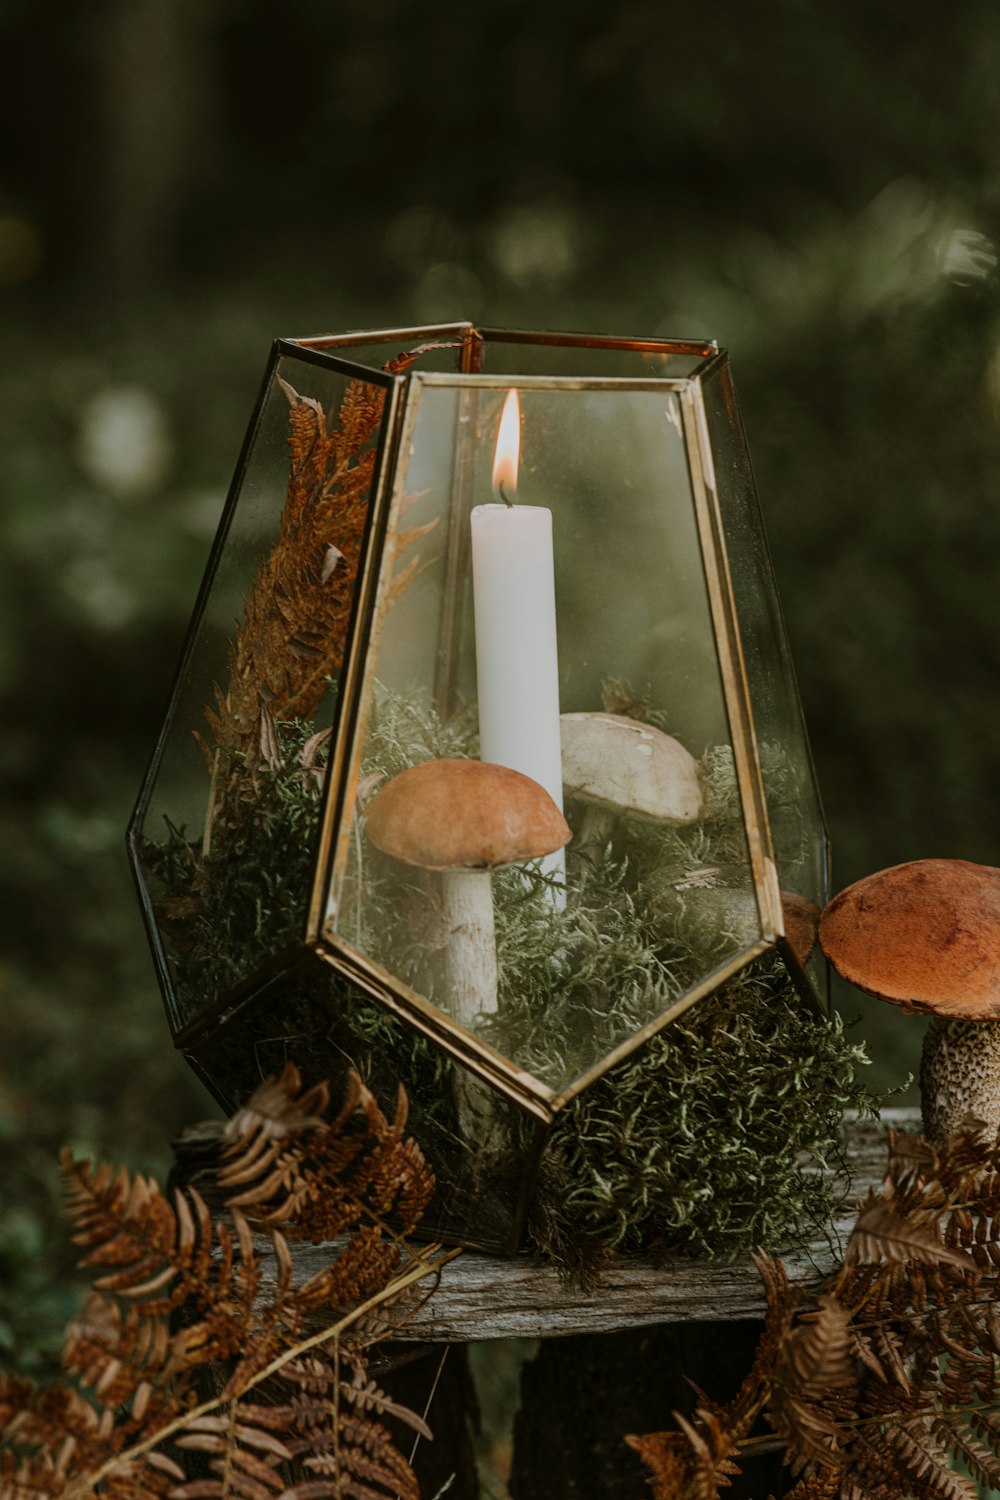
x=180, y=1289
x=290, y=644
x=884, y=1383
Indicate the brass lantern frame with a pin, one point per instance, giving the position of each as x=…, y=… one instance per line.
x=403, y=395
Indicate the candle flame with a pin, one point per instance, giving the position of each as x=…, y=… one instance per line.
x=508, y=450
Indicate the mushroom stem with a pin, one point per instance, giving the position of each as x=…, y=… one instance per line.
x=959, y=1077
x=471, y=952
x=596, y=827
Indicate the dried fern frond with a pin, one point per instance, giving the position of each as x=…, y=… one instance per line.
x=326, y=1177
x=888, y=1376
x=180, y=1288
x=290, y=643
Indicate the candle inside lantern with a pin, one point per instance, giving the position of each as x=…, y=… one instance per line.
x=517, y=664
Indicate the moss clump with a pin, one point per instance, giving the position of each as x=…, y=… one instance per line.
x=708, y=1141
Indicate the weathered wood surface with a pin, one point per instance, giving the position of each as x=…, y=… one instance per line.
x=484, y=1297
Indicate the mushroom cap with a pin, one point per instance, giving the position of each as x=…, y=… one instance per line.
x=629, y=766
x=924, y=935
x=464, y=815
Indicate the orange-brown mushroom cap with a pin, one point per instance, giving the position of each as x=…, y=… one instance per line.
x=464, y=815
x=924, y=935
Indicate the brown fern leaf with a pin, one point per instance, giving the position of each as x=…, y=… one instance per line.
x=810, y=1431
x=332, y=1435
x=147, y=1246
x=279, y=1107
x=365, y=1464
x=697, y=1460
x=959, y=1437
x=245, y=1458
x=159, y=1259
x=148, y=1478
x=701, y=1457
x=713, y=1445
x=365, y=1395
x=325, y=1180
x=890, y=1347
x=54, y=1439
x=291, y=640
x=924, y=1463
x=153, y=1248
x=122, y=1357
x=669, y=1459
x=911, y=1158
x=366, y=1262
x=44, y=1431
x=816, y=1356
x=824, y=1484
x=883, y=1233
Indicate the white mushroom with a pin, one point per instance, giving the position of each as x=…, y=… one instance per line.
x=618, y=765
x=465, y=818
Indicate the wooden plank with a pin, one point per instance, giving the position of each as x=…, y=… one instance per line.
x=483, y=1297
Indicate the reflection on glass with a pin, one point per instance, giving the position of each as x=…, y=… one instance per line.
x=227, y=843
x=548, y=614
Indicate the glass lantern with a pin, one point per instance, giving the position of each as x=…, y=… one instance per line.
x=485, y=759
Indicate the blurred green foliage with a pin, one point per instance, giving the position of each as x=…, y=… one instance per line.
x=816, y=185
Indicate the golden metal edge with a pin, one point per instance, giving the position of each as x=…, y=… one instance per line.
x=476, y=1056
x=459, y=382
x=565, y=339
x=731, y=664
x=346, y=771
x=340, y=784
x=458, y=545
x=624, y=343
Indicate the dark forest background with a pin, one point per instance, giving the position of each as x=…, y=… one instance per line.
x=817, y=185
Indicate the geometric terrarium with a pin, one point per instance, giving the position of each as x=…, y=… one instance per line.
x=485, y=760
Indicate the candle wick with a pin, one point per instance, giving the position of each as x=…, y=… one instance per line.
x=503, y=495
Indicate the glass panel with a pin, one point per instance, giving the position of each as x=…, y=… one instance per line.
x=226, y=845
x=793, y=802
x=587, y=598
x=324, y=1025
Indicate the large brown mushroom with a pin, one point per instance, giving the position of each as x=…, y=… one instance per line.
x=465, y=818
x=926, y=936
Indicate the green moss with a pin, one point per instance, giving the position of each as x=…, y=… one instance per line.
x=709, y=1140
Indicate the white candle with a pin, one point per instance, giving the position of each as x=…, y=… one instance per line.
x=517, y=663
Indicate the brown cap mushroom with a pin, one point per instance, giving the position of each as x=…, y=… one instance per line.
x=926, y=936
x=619, y=765
x=464, y=815
x=465, y=818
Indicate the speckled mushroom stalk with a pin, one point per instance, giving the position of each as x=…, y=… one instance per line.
x=959, y=1076
x=925, y=936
